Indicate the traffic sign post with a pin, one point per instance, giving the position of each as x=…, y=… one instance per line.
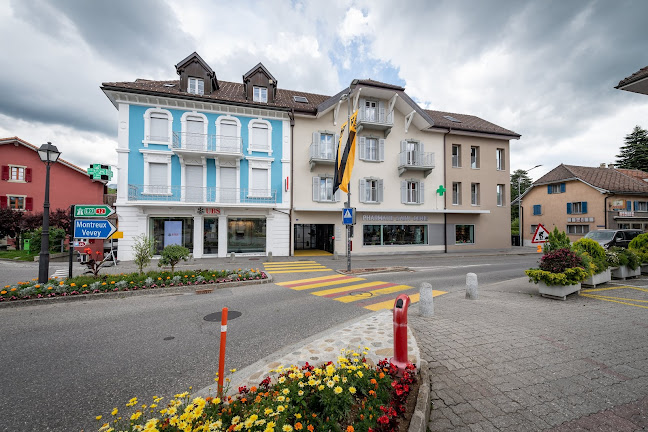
x=348, y=216
x=99, y=211
x=93, y=229
x=541, y=235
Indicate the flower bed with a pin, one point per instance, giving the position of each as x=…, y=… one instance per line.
x=349, y=396
x=123, y=282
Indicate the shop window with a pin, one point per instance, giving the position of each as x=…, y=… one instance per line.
x=394, y=235
x=464, y=234
x=168, y=231
x=246, y=235
x=210, y=236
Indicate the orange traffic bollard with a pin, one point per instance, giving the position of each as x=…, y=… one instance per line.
x=400, y=333
x=539, y=248
x=221, y=357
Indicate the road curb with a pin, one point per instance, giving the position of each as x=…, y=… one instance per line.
x=124, y=294
x=421, y=416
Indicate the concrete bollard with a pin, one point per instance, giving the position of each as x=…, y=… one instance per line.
x=269, y=257
x=335, y=256
x=232, y=256
x=472, y=291
x=426, y=300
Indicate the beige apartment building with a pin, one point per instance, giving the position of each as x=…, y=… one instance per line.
x=579, y=199
x=403, y=181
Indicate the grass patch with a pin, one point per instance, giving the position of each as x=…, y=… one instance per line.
x=18, y=255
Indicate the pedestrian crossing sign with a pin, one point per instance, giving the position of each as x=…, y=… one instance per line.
x=540, y=235
x=348, y=216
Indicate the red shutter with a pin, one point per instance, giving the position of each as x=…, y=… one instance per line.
x=5, y=173
x=29, y=204
x=27, y=174
x=3, y=201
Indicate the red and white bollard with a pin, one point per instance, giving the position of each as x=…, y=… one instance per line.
x=400, y=333
x=221, y=357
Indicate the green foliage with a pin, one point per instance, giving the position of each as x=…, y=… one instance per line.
x=625, y=257
x=515, y=226
x=56, y=235
x=639, y=245
x=525, y=183
x=556, y=240
x=172, y=255
x=594, y=252
x=143, y=251
x=634, y=153
x=570, y=276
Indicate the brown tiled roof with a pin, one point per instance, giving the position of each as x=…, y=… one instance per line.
x=640, y=74
x=638, y=174
x=228, y=92
x=33, y=147
x=608, y=179
x=468, y=123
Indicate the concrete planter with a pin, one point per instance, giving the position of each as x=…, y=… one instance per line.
x=624, y=272
x=644, y=268
x=598, y=279
x=557, y=291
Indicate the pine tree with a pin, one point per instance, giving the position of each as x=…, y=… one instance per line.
x=634, y=153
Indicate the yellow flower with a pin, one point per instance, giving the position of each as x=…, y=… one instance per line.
x=98, y=417
x=72, y=284
x=285, y=391
x=13, y=289
x=280, y=408
x=114, y=411
x=359, y=374
x=49, y=288
x=232, y=370
x=84, y=285
x=136, y=415
x=321, y=387
x=287, y=428
x=300, y=393
x=112, y=282
x=103, y=283
x=168, y=277
x=3, y=292
x=186, y=276
x=338, y=390
x=352, y=390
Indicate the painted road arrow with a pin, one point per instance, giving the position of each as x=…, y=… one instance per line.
x=82, y=210
x=93, y=229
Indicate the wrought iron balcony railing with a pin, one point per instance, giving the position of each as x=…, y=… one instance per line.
x=221, y=144
x=201, y=195
x=416, y=159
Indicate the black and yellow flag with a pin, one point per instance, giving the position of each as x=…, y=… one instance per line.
x=345, y=157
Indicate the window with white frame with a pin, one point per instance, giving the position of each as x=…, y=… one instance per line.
x=260, y=132
x=474, y=157
x=577, y=229
x=578, y=207
x=260, y=94
x=372, y=149
x=456, y=193
x=157, y=172
x=196, y=86
x=456, y=156
x=499, y=159
x=228, y=134
x=323, y=189
x=371, y=190
x=157, y=126
x=259, y=178
x=641, y=206
x=533, y=229
x=412, y=192
x=17, y=173
x=326, y=146
x=556, y=188
x=194, y=131
x=500, y=195
x=17, y=202
x=474, y=193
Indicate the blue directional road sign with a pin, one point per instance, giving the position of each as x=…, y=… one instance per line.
x=93, y=229
x=348, y=216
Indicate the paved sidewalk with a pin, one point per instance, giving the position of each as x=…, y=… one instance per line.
x=514, y=361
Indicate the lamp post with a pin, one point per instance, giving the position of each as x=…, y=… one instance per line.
x=520, y=204
x=49, y=154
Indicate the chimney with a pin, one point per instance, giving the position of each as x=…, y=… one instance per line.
x=610, y=165
x=602, y=165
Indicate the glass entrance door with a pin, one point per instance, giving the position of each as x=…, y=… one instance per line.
x=210, y=240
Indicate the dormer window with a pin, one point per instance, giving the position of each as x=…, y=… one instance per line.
x=260, y=94
x=196, y=86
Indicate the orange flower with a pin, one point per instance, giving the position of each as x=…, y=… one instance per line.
x=298, y=426
x=253, y=389
x=310, y=428
x=372, y=393
x=257, y=399
x=373, y=381
x=243, y=400
x=3, y=292
x=13, y=289
x=381, y=376
x=349, y=428
x=307, y=374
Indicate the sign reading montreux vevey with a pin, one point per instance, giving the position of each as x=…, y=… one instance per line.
x=93, y=229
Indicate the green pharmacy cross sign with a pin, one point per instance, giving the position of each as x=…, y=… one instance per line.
x=441, y=190
x=100, y=172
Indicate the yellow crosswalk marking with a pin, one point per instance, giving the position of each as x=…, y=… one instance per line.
x=323, y=284
x=290, y=263
x=388, y=290
x=414, y=298
x=346, y=288
x=297, y=271
x=320, y=278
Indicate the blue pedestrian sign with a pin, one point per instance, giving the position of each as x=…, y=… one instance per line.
x=93, y=229
x=348, y=216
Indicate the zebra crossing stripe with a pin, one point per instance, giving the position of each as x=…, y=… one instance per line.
x=389, y=304
x=327, y=283
x=347, y=289
x=388, y=290
x=298, y=271
x=291, y=284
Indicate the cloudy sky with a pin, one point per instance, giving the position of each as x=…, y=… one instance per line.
x=545, y=69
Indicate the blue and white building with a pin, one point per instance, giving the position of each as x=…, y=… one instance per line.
x=202, y=163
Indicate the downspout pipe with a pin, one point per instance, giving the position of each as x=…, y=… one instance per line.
x=291, y=182
x=445, y=181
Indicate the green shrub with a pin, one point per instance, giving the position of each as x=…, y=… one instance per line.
x=627, y=257
x=639, y=245
x=595, y=252
x=143, y=251
x=56, y=235
x=556, y=240
x=172, y=255
x=570, y=276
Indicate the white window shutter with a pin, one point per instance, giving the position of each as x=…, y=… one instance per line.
x=363, y=148
x=421, y=193
x=381, y=150
x=403, y=191
x=316, y=184
x=403, y=146
x=316, y=138
x=362, y=107
x=421, y=147
x=362, y=192
x=380, y=191
x=382, y=115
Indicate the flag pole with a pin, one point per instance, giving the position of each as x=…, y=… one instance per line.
x=348, y=203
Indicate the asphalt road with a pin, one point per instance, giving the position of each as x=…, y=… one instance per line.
x=63, y=364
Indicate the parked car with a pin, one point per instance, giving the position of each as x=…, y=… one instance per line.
x=613, y=237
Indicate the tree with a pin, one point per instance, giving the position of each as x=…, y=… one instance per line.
x=634, y=153
x=525, y=183
x=143, y=251
x=172, y=254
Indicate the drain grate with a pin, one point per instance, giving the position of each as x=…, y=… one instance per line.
x=169, y=338
x=216, y=316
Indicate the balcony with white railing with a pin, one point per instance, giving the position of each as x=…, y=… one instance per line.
x=415, y=161
x=376, y=119
x=207, y=144
x=321, y=154
x=201, y=195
